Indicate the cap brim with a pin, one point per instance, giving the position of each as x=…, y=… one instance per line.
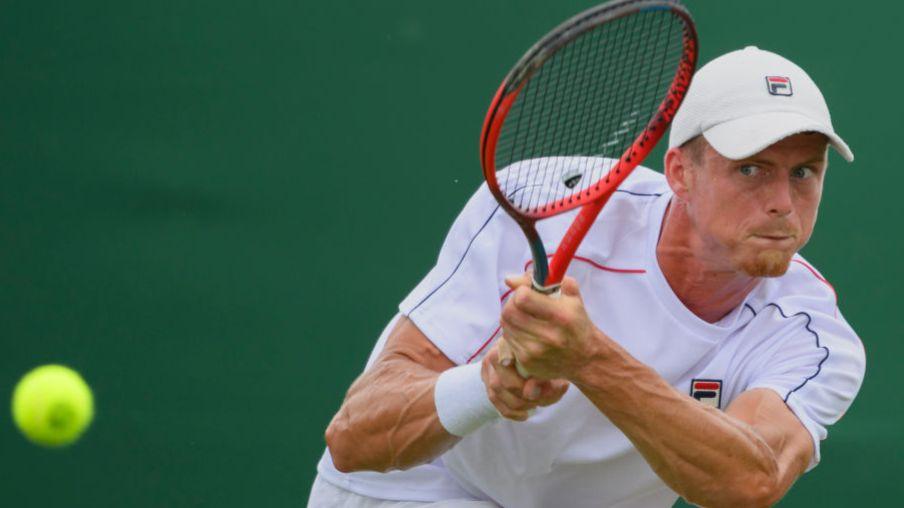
x=743, y=137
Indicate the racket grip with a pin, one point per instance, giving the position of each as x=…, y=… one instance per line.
x=507, y=357
x=521, y=372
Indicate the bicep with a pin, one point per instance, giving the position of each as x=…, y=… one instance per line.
x=768, y=415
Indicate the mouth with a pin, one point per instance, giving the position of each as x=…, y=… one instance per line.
x=775, y=239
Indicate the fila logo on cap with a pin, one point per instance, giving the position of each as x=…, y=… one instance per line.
x=778, y=85
x=707, y=391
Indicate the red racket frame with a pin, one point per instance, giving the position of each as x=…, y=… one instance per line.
x=594, y=198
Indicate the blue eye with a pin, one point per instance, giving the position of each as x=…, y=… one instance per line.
x=749, y=170
x=802, y=172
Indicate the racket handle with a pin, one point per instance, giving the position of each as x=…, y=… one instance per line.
x=521, y=372
x=507, y=357
x=553, y=290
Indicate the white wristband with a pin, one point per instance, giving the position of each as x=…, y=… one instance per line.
x=462, y=403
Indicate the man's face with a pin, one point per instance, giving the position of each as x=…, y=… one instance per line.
x=757, y=212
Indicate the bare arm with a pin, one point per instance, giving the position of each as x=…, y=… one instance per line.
x=748, y=456
x=388, y=419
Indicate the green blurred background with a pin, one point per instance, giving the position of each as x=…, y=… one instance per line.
x=210, y=209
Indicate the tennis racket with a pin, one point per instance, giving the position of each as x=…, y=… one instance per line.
x=578, y=112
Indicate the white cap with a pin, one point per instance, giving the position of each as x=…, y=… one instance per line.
x=749, y=99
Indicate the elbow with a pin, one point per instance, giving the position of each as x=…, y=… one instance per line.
x=764, y=485
x=342, y=463
x=748, y=490
x=346, y=457
x=337, y=444
x=762, y=491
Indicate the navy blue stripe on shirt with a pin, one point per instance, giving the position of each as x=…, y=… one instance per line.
x=638, y=193
x=815, y=335
x=468, y=248
x=463, y=255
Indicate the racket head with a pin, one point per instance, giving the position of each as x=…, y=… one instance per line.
x=581, y=109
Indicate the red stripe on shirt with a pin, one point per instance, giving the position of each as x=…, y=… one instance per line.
x=595, y=265
x=526, y=266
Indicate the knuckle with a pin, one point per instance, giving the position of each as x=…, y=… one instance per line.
x=508, y=312
x=555, y=340
x=511, y=385
x=535, y=350
x=510, y=400
x=521, y=295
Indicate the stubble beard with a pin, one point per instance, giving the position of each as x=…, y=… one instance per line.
x=767, y=263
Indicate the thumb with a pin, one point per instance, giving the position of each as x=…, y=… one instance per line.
x=570, y=287
x=514, y=281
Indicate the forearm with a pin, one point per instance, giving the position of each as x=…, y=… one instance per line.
x=706, y=456
x=388, y=420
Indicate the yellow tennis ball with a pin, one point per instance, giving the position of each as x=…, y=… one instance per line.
x=52, y=405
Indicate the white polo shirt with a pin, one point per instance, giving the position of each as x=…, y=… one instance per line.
x=788, y=335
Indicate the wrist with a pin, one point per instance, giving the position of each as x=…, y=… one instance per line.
x=594, y=359
x=462, y=402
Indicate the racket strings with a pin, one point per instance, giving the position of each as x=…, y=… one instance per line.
x=579, y=101
x=627, y=109
x=622, y=104
x=525, y=134
x=651, y=90
x=584, y=107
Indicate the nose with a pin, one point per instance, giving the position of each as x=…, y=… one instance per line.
x=778, y=197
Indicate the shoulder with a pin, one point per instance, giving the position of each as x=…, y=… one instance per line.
x=643, y=182
x=631, y=202
x=798, y=315
x=801, y=289
x=621, y=232
x=811, y=356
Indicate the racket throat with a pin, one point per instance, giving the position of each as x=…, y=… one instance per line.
x=541, y=261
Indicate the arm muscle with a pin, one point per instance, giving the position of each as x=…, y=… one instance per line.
x=388, y=418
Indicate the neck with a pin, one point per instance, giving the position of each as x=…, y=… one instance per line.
x=698, y=275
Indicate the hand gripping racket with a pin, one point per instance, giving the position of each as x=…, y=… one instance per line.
x=579, y=111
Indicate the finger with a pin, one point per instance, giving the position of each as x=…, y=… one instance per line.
x=513, y=316
x=533, y=303
x=511, y=401
x=570, y=287
x=532, y=389
x=510, y=377
x=514, y=281
x=552, y=391
x=505, y=354
x=499, y=398
x=518, y=416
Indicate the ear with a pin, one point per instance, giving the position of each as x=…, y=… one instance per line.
x=678, y=171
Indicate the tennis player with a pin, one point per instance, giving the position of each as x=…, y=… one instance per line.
x=693, y=352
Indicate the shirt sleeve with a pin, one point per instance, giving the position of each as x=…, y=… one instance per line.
x=817, y=367
x=457, y=304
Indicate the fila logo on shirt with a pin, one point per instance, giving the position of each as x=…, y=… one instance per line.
x=707, y=391
x=779, y=85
